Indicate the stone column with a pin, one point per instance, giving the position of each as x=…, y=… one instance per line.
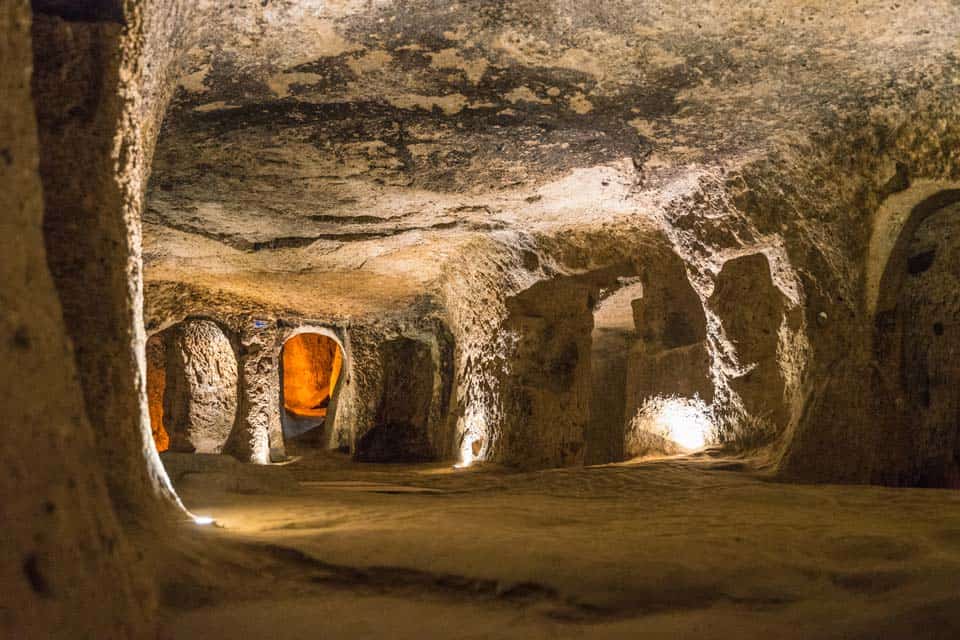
x=258, y=434
x=91, y=166
x=545, y=385
x=200, y=402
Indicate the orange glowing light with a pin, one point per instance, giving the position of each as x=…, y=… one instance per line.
x=156, y=385
x=311, y=367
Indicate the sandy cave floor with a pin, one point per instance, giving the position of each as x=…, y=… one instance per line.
x=683, y=547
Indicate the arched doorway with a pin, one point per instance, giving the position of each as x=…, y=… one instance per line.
x=312, y=364
x=918, y=330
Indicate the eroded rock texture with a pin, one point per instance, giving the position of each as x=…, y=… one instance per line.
x=66, y=566
x=928, y=311
x=668, y=356
x=402, y=168
x=200, y=399
x=918, y=348
x=438, y=183
x=545, y=383
x=259, y=433
x=751, y=310
x=613, y=333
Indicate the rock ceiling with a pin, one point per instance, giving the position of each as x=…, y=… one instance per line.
x=337, y=157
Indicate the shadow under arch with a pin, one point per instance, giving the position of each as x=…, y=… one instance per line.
x=901, y=221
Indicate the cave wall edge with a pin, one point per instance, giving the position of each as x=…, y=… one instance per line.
x=840, y=424
x=69, y=567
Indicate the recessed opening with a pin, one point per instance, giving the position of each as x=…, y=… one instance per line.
x=312, y=366
x=401, y=422
x=918, y=351
x=670, y=425
x=669, y=389
x=920, y=262
x=156, y=386
x=611, y=339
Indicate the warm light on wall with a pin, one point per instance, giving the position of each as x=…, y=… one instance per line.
x=471, y=444
x=311, y=367
x=466, y=458
x=156, y=386
x=684, y=421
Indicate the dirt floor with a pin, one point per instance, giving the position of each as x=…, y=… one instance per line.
x=697, y=546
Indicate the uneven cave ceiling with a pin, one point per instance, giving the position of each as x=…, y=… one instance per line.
x=336, y=157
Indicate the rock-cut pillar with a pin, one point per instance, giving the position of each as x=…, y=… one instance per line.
x=258, y=435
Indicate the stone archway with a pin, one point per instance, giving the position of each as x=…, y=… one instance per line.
x=311, y=366
x=918, y=347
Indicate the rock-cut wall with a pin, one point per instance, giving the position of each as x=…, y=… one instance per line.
x=66, y=568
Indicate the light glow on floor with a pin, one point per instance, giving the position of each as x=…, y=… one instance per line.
x=686, y=422
x=683, y=421
x=466, y=454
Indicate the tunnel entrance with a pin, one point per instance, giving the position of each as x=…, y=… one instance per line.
x=919, y=332
x=312, y=364
x=401, y=423
x=612, y=337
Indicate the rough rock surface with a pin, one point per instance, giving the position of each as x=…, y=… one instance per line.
x=259, y=436
x=751, y=309
x=667, y=357
x=613, y=333
x=426, y=163
x=200, y=401
x=545, y=384
x=928, y=310
x=401, y=429
x=917, y=352
x=445, y=173
x=67, y=569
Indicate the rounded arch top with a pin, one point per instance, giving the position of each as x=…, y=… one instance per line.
x=315, y=329
x=893, y=226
